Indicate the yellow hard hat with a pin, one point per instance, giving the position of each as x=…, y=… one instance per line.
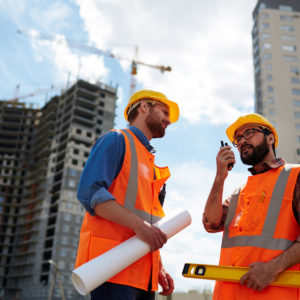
x=149, y=94
x=250, y=119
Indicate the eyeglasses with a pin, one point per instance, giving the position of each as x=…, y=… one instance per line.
x=247, y=135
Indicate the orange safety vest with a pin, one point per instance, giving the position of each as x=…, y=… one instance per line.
x=136, y=187
x=259, y=226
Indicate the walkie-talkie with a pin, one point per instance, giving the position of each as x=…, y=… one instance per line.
x=230, y=166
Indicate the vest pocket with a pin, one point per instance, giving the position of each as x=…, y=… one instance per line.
x=252, y=214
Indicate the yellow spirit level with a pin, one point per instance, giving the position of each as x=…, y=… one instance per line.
x=233, y=274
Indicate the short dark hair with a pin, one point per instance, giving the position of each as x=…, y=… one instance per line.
x=133, y=114
x=267, y=131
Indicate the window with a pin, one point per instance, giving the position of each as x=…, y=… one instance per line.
x=286, y=18
x=268, y=66
x=101, y=103
x=71, y=194
x=289, y=58
x=73, y=172
x=264, y=16
x=63, y=252
x=289, y=48
x=271, y=100
x=288, y=38
x=65, y=240
x=271, y=112
x=266, y=46
x=295, y=80
x=72, y=183
x=296, y=103
x=262, y=5
x=297, y=114
x=88, y=134
x=66, y=229
x=78, y=131
x=265, y=36
x=270, y=89
x=76, y=151
x=74, y=162
x=67, y=217
x=266, y=56
x=264, y=26
x=295, y=91
x=69, y=205
x=297, y=126
x=61, y=265
x=294, y=69
x=287, y=28
x=298, y=138
x=270, y=77
x=285, y=8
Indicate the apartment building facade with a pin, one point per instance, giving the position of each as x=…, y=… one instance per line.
x=276, y=53
x=42, y=153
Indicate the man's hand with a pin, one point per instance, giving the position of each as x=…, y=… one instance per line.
x=224, y=157
x=166, y=282
x=148, y=233
x=151, y=235
x=259, y=276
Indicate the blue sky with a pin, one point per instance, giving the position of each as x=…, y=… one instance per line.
x=208, y=46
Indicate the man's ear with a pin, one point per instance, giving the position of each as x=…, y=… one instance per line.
x=271, y=138
x=144, y=106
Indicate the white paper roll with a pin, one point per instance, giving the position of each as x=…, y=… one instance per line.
x=90, y=275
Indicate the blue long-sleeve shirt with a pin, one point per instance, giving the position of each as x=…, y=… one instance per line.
x=103, y=166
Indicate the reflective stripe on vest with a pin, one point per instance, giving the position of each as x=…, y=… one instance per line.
x=266, y=238
x=132, y=187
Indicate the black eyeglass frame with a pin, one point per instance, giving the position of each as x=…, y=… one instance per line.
x=262, y=130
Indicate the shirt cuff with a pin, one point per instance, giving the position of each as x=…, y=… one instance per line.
x=102, y=195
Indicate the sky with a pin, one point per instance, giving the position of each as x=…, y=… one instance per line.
x=207, y=44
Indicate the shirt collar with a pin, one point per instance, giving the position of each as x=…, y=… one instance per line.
x=142, y=138
x=274, y=164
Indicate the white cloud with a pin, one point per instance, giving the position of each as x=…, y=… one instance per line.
x=67, y=63
x=208, y=46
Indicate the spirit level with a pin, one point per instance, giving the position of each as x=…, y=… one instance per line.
x=233, y=274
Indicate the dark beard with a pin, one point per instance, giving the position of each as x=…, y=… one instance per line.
x=155, y=126
x=258, y=153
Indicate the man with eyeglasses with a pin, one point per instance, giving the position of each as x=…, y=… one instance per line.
x=123, y=192
x=260, y=220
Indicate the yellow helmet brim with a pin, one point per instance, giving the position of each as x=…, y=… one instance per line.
x=153, y=95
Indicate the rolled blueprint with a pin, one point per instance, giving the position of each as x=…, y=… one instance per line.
x=92, y=274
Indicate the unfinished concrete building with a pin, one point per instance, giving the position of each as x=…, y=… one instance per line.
x=42, y=153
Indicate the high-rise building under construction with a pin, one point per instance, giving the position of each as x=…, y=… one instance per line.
x=42, y=153
x=276, y=52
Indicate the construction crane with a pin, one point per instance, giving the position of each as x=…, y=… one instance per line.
x=97, y=51
x=32, y=94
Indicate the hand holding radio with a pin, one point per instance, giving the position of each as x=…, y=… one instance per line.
x=228, y=156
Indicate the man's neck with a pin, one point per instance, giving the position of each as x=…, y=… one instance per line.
x=267, y=160
x=143, y=128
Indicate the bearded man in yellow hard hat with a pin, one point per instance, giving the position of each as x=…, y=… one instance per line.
x=261, y=219
x=123, y=192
